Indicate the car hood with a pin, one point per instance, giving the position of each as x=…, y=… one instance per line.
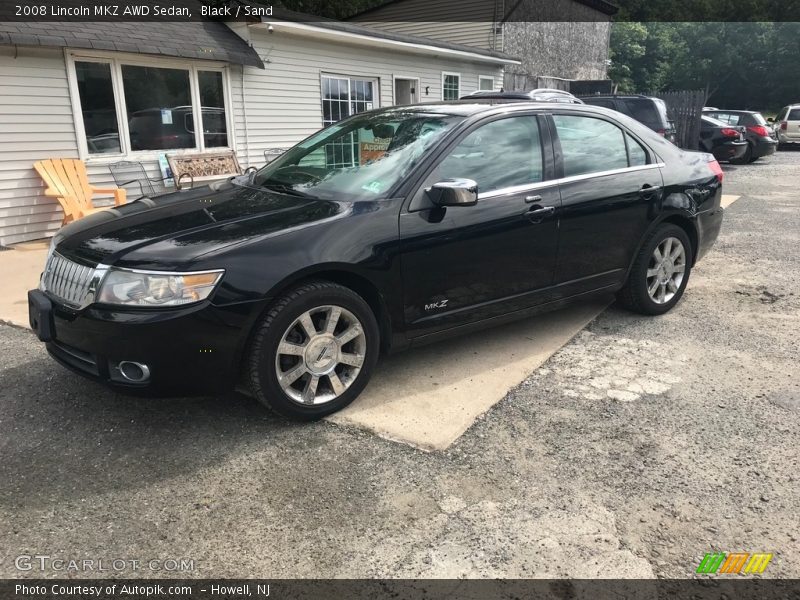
x=175, y=231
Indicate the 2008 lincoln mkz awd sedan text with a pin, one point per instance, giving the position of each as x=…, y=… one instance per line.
x=385, y=230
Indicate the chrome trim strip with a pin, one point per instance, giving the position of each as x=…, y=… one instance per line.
x=519, y=189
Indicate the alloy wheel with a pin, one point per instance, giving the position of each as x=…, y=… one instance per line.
x=320, y=355
x=666, y=270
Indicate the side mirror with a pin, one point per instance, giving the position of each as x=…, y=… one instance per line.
x=454, y=192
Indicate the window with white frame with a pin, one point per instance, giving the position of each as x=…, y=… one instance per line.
x=343, y=97
x=451, y=86
x=485, y=83
x=128, y=107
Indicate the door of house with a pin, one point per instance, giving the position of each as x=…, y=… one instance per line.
x=406, y=91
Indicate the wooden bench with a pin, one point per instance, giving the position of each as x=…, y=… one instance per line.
x=203, y=167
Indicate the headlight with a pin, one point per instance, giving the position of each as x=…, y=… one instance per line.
x=156, y=288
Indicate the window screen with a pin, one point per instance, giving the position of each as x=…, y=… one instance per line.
x=451, y=87
x=98, y=107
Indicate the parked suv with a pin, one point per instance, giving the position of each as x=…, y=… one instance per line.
x=645, y=109
x=787, y=124
x=761, y=139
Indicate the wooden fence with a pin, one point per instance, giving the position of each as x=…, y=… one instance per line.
x=685, y=109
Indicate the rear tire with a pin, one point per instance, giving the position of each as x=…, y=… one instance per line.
x=313, y=352
x=660, y=272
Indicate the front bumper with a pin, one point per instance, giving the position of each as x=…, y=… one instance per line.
x=191, y=351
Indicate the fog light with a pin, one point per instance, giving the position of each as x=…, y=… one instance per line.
x=133, y=371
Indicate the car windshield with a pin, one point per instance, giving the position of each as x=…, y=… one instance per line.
x=360, y=158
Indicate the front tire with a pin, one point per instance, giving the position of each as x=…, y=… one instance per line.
x=660, y=272
x=314, y=351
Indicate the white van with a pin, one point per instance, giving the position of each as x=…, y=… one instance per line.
x=787, y=124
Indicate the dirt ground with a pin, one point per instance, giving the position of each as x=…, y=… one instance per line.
x=641, y=445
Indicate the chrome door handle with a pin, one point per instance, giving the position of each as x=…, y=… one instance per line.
x=537, y=214
x=532, y=199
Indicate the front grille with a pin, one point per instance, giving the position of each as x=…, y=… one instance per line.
x=67, y=280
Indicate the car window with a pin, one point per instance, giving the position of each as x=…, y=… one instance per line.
x=497, y=155
x=643, y=110
x=758, y=119
x=590, y=145
x=637, y=155
x=603, y=102
x=794, y=115
x=729, y=118
x=782, y=114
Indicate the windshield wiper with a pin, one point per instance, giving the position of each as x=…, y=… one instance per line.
x=286, y=189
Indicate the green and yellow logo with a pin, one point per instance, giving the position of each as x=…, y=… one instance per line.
x=742, y=563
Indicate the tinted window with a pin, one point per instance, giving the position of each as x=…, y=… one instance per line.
x=600, y=102
x=636, y=153
x=794, y=115
x=589, y=145
x=500, y=154
x=728, y=118
x=758, y=119
x=643, y=110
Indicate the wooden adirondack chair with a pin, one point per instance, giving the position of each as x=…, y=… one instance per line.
x=68, y=183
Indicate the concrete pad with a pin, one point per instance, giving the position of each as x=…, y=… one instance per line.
x=428, y=397
x=19, y=272
x=727, y=200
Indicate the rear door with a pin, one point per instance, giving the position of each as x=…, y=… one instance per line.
x=469, y=263
x=610, y=189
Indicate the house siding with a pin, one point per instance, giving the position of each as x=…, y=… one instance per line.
x=36, y=122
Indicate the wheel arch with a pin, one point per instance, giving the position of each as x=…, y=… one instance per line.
x=348, y=278
x=683, y=220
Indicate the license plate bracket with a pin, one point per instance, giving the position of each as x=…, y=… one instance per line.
x=40, y=315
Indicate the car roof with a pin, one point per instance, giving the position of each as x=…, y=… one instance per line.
x=589, y=96
x=725, y=110
x=473, y=106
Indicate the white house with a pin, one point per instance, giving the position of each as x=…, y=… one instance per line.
x=111, y=92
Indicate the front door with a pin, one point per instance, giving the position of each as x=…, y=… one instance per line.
x=465, y=264
x=406, y=91
x=610, y=190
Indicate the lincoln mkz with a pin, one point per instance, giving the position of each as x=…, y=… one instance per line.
x=392, y=228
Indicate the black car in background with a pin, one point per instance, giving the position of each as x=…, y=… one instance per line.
x=725, y=142
x=760, y=136
x=390, y=229
x=645, y=109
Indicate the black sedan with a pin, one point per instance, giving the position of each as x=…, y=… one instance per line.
x=725, y=142
x=390, y=229
x=761, y=139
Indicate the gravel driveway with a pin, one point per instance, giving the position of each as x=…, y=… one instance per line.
x=640, y=446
